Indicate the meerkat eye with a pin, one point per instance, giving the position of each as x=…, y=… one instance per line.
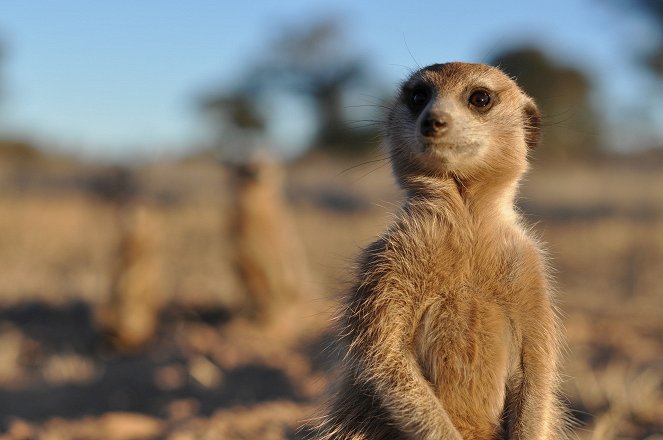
x=418, y=98
x=480, y=99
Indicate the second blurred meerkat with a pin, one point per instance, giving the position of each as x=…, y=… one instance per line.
x=269, y=255
x=451, y=331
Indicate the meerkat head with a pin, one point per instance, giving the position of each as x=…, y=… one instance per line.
x=469, y=121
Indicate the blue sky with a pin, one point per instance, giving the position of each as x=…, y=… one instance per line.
x=108, y=79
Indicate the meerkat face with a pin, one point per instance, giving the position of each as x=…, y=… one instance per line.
x=460, y=118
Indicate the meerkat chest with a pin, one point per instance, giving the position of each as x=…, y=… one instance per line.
x=463, y=339
x=463, y=346
x=472, y=307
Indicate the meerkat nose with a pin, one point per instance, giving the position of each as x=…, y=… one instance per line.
x=435, y=124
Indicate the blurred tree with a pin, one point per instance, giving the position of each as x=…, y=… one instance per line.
x=310, y=62
x=239, y=109
x=642, y=119
x=313, y=61
x=570, y=124
x=652, y=57
x=240, y=123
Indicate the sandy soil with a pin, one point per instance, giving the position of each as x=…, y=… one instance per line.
x=209, y=373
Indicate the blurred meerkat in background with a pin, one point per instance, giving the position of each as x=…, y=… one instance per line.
x=269, y=254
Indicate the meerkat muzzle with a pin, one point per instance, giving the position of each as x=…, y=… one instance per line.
x=435, y=124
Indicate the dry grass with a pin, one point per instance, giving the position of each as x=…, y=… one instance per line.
x=210, y=375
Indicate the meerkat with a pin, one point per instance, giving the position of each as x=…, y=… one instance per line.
x=130, y=317
x=451, y=331
x=269, y=256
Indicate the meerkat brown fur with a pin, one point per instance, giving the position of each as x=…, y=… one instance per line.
x=450, y=329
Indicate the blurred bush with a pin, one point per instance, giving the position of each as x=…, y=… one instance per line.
x=562, y=92
x=651, y=54
x=18, y=151
x=310, y=62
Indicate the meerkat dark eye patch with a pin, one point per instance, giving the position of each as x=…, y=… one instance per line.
x=418, y=98
x=480, y=99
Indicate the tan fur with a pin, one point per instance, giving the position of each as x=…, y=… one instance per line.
x=450, y=330
x=270, y=257
x=131, y=315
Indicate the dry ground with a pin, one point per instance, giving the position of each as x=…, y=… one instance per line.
x=209, y=374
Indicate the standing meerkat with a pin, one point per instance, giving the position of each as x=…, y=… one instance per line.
x=450, y=329
x=269, y=255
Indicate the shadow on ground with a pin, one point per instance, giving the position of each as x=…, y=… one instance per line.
x=124, y=382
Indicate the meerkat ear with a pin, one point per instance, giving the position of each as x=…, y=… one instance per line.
x=532, y=124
